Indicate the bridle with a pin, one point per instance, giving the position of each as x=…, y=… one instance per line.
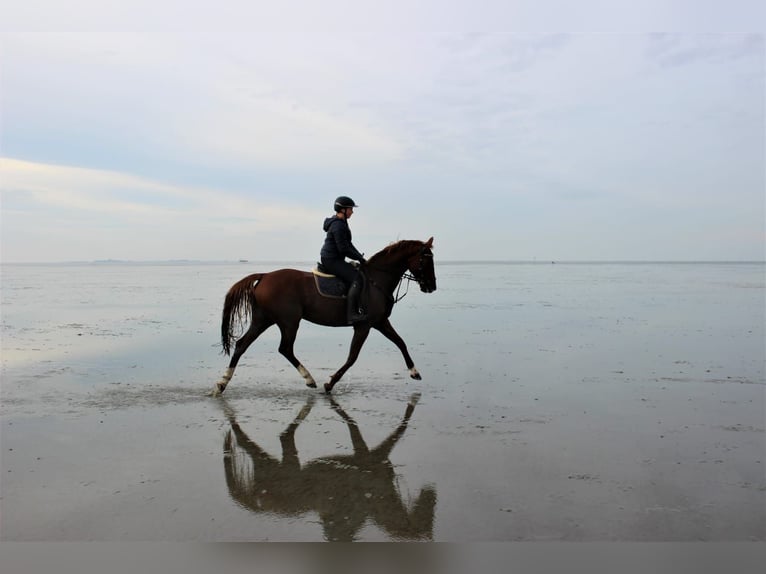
x=413, y=275
x=410, y=276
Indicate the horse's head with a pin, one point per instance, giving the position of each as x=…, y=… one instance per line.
x=421, y=265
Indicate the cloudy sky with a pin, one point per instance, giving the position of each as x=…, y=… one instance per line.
x=144, y=131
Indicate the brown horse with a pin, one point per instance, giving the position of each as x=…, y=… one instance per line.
x=286, y=296
x=344, y=490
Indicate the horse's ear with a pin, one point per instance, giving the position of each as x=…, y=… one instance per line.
x=430, y=243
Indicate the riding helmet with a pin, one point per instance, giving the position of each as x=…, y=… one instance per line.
x=342, y=202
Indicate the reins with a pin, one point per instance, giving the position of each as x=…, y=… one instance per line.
x=393, y=299
x=409, y=277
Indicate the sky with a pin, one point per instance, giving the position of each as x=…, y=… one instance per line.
x=506, y=130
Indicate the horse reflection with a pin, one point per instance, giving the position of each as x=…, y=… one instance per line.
x=345, y=490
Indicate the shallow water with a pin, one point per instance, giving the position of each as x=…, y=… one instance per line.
x=558, y=402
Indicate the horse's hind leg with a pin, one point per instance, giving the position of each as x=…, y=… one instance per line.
x=289, y=332
x=258, y=326
x=290, y=460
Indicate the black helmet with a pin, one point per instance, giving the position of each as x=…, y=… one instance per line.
x=343, y=202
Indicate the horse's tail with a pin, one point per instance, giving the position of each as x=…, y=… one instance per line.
x=237, y=307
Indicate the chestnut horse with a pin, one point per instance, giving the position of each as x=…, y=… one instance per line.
x=286, y=296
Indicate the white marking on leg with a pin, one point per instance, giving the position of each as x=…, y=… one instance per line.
x=221, y=385
x=227, y=375
x=414, y=373
x=306, y=376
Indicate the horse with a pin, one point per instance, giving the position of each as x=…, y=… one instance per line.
x=345, y=490
x=286, y=296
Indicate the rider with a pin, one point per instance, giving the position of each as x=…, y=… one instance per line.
x=337, y=246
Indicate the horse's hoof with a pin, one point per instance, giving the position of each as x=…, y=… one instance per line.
x=217, y=391
x=311, y=385
x=327, y=388
x=414, y=374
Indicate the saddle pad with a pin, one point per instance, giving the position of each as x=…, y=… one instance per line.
x=319, y=273
x=329, y=285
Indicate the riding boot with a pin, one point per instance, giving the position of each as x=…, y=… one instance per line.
x=355, y=312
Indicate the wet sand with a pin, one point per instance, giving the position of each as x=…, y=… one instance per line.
x=549, y=412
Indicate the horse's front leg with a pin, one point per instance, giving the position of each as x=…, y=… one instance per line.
x=360, y=336
x=390, y=333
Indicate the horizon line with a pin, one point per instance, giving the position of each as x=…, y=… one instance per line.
x=308, y=261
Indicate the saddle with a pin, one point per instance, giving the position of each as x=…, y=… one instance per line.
x=329, y=285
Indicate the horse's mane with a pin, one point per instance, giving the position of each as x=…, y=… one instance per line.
x=396, y=247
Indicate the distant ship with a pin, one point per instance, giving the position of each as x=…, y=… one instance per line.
x=243, y=260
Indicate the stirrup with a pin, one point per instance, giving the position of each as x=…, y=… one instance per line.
x=357, y=317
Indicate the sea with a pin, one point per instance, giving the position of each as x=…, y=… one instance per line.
x=559, y=401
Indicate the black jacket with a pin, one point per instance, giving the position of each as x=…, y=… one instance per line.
x=337, y=243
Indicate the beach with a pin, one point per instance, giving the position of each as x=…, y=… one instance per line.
x=584, y=402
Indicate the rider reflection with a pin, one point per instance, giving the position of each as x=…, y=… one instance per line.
x=345, y=490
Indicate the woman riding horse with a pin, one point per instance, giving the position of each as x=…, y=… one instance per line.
x=286, y=296
x=337, y=246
